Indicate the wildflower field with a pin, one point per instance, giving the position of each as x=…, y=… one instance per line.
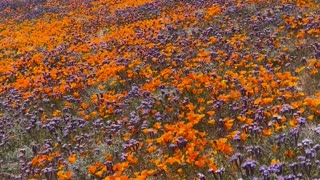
x=159, y=89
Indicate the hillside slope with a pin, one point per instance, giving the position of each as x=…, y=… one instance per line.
x=159, y=89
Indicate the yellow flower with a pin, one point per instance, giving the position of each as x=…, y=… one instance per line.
x=211, y=121
x=275, y=161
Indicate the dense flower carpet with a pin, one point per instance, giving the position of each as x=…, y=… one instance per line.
x=159, y=89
